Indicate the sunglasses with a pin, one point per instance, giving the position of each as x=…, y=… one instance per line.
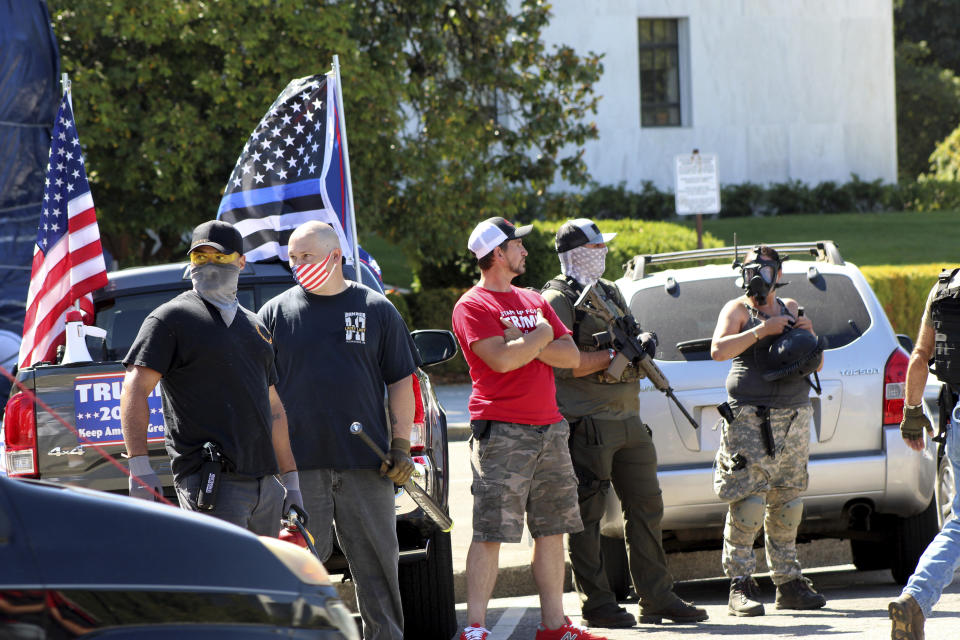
x=197, y=258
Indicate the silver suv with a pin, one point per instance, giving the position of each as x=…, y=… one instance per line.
x=865, y=484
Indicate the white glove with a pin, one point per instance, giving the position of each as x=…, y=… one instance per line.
x=140, y=468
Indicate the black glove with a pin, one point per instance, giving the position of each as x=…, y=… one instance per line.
x=914, y=422
x=399, y=464
x=648, y=340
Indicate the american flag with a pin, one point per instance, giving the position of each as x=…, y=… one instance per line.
x=291, y=170
x=68, y=259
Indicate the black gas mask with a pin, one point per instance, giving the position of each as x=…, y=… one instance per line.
x=760, y=277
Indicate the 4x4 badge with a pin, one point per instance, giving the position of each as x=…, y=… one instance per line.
x=76, y=451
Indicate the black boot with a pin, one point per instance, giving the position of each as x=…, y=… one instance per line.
x=678, y=611
x=798, y=594
x=609, y=616
x=744, y=597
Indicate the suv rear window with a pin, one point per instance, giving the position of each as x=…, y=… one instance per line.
x=684, y=321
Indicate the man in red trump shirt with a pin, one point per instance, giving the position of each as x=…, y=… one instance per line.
x=512, y=339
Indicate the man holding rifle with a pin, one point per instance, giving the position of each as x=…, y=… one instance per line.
x=609, y=444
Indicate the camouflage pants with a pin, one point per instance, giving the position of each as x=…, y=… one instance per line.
x=754, y=483
x=522, y=468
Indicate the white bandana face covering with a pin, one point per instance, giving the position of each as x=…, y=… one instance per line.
x=217, y=284
x=584, y=264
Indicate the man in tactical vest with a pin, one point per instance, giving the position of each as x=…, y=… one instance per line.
x=938, y=340
x=609, y=444
x=761, y=465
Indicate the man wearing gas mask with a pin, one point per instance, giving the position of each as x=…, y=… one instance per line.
x=761, y=465
x=339, y=346
x=609, y=445
x=226, y=430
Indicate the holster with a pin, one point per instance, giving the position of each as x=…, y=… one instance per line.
x=480, y=428
x=209, y=477
x=766, y=430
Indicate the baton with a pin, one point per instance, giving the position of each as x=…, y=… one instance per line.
x=430, y=507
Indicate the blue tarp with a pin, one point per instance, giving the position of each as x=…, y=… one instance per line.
x=29, y=93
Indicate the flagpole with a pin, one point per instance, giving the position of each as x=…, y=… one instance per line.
x=65, y=85
x=346, y=166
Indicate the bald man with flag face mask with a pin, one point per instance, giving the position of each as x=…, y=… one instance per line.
x=339, y=346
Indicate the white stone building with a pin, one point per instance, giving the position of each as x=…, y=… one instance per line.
x=778, y=89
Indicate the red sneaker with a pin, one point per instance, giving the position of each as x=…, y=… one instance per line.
x=568, y=631
x=474, y=632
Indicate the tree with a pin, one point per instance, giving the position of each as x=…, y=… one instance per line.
x=454, y=109
x=928, y=107
x=929, y=21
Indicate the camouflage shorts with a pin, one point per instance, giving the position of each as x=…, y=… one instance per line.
x=521, y=468
x=742, y=465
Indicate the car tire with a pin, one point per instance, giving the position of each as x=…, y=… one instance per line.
x=870, y=555
x=944, y=491
x=615, y=565
x=911, y=537
x=426, y=591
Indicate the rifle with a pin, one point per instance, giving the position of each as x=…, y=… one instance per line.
x=622, y=333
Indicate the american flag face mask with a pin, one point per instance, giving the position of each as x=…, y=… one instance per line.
x=313, y=276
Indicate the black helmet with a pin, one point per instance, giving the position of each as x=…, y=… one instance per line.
x=795, y=352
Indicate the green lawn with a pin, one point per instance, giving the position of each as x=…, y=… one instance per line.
x=863, y=238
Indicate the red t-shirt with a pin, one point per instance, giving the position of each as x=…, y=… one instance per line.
x=526, y=395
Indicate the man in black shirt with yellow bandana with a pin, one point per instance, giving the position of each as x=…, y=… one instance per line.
x=217, y=365
x=609, y=445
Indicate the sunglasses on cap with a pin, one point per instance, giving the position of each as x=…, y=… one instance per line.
x=198, y=258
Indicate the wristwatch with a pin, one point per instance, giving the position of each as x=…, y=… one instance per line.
x=756, y=334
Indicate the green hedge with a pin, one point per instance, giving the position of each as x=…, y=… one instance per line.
x=431, y=307
x=634, y=237
x=606, y=202
x=903, y=290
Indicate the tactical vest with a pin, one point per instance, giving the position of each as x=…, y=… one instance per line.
x=585, y=324
x=945, y=313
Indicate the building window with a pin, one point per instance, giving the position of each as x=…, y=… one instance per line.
x=660, y=82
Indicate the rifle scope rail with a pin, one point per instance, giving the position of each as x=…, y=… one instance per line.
x=822, y=250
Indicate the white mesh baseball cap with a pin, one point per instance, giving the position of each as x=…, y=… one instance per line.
x=492, y=232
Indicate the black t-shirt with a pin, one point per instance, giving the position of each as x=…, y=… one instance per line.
x=215, y=385
x=334, y=356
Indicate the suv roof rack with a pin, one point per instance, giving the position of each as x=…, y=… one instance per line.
x=822, y=250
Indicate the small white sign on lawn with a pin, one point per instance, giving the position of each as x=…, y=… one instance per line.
x=697, y=184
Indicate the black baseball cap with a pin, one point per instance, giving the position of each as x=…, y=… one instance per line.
x=218, y=234
x=492, y=232
x=576, y=233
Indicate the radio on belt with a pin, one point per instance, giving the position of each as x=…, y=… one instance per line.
x=209, y=476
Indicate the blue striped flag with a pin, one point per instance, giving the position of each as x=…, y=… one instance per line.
x=291, y=170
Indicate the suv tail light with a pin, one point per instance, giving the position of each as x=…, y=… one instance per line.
x=417, y=436
x=20, y=436
x=894, y=386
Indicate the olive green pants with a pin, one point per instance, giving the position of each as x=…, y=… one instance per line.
x=618, y=453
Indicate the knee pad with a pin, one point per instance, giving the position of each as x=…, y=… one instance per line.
x=789, y=515
x=747, y=514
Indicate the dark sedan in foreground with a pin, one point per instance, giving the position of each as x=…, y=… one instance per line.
x=81, y=563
